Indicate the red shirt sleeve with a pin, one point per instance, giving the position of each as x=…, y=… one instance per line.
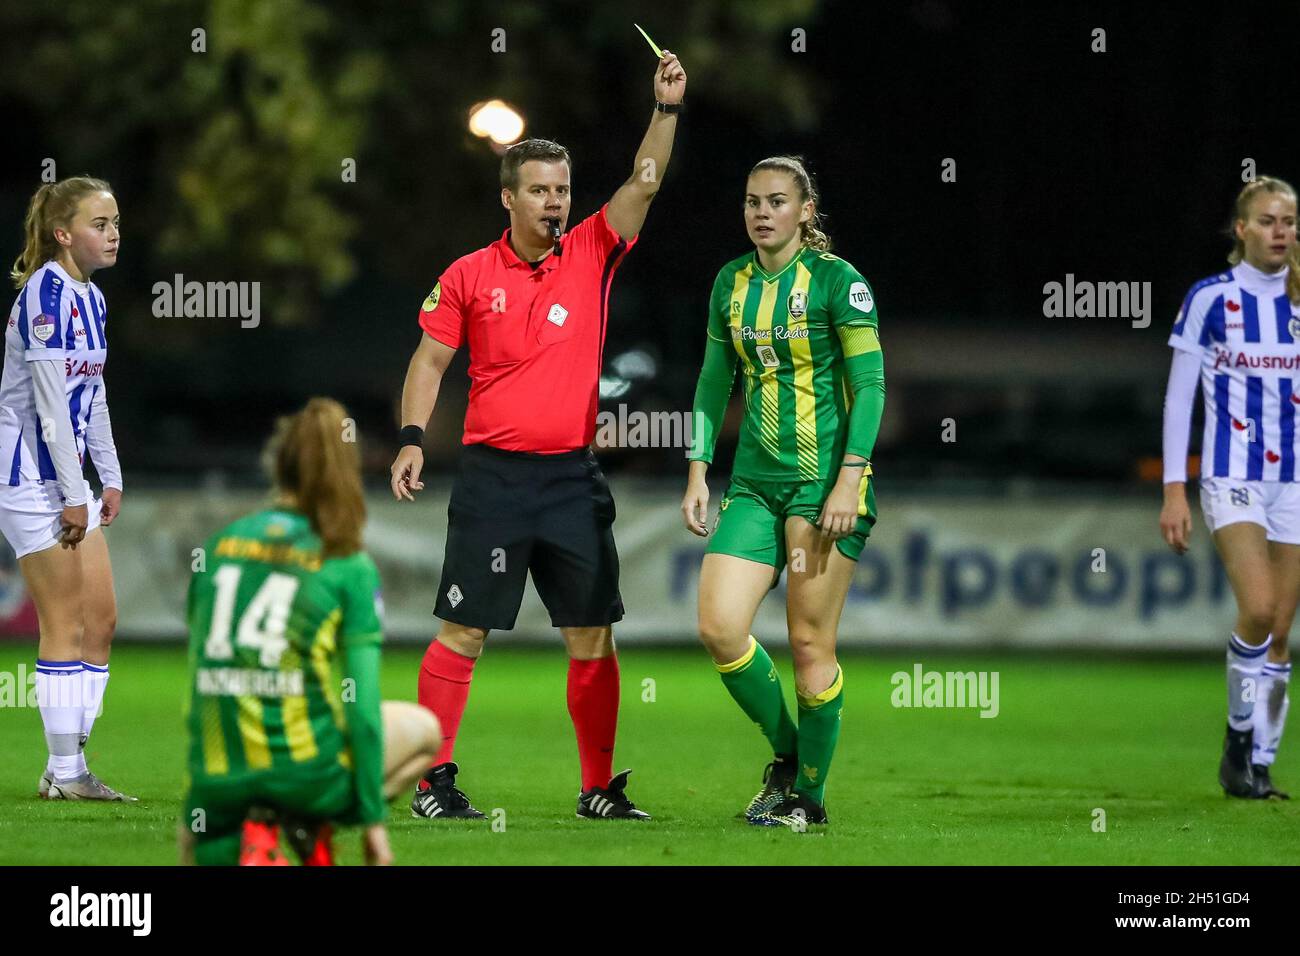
x=442, y=315
x=596, y=235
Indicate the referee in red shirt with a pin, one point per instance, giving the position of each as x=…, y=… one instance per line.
x=529, y=494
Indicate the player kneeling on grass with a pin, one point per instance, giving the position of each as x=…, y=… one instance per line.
x=803, y=325
x=53, y=411
x=285, y=719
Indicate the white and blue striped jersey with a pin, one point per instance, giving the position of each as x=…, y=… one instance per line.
x=55, y=317
x=1247, y=333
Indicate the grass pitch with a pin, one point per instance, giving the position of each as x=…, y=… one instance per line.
x=1136, y=739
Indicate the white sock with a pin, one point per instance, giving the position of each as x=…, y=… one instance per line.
x=94, y=680
x=1244, y=664
x=1270, y=715
x=58, y=695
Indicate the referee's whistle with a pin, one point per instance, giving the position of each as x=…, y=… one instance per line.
x=555, y=234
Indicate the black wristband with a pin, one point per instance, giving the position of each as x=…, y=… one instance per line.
x=669, y=107
x=411, y=435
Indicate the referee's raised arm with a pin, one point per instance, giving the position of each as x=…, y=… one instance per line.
x=627, y=210
x=419, y=395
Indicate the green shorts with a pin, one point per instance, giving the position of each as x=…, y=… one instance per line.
x=324, y=793
x=752, y=515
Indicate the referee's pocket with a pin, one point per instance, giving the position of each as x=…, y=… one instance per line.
x=602, y=498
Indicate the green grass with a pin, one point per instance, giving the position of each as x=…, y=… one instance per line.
x=1138, y=739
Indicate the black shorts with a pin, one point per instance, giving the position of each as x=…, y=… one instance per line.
x=515, y=512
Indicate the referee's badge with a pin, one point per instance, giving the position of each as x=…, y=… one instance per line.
x=1294, y=326
x=797, y=304
x=557, y=315
x=454, y=596
x=431, y=301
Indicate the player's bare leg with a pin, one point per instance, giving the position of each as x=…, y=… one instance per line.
x=411, y=740
x=54, y=578
x=730, y=592
x=1272, y=701
x=444, y=691
x=1243, y=548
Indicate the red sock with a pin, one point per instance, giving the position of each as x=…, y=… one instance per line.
x=593, y=705
x=444, y=689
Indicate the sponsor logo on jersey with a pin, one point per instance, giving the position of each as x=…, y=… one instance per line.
x=454, y=596
x=1226, y=358
x=767, y=355
x=88, y=369
x=778, y=332
x=43, y=327
x=431, y=300
x=797, y=304
x=860, y=297
x=557, y=315
x=735, y=307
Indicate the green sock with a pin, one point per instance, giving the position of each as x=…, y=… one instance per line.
x=753, y=682
x=819, y=730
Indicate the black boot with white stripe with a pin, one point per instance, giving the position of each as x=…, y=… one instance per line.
x=610, y=802
x=441, y=799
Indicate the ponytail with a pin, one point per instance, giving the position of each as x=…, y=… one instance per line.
x=316, y=470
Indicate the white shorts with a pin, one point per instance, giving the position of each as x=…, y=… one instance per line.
x=1273, y=505
x=30, y=515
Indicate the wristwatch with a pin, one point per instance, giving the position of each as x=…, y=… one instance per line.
x=669, y=107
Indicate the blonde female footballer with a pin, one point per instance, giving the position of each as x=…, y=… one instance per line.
x=1238, y=334
x=53, y=411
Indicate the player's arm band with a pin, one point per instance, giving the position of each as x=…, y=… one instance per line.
x=411, y=435
x=864, y=366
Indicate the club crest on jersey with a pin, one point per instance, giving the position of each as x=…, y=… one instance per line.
x=1294, y=326
x=860, y=297
x=454, y=596
x=431, y=301
x=43, y=327
x=557, y=315
x=797, y=304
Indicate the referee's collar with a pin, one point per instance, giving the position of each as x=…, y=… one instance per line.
x=511, y=258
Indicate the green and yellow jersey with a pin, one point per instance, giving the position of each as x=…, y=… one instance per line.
x=807, y=341
x=284, y=658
